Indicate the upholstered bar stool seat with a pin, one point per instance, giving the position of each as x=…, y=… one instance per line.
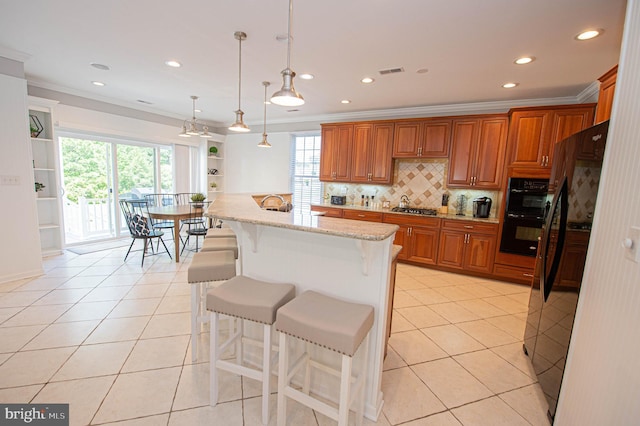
x=221, y=244
x=206, y=268
x=245, y=298
x=334, y=324
x=220, y=233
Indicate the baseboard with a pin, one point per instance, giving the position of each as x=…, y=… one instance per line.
x=21, y=275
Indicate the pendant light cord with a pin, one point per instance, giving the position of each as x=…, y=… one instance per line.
x=289, y=40
x=264, y=129
x=239, y=69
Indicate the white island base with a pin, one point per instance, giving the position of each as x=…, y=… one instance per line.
x=311, y=252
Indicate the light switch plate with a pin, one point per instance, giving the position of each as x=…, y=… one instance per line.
x=633, y=253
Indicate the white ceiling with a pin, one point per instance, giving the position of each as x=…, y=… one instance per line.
x=467, y=46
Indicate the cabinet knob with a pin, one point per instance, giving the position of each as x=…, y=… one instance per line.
x=468, y=227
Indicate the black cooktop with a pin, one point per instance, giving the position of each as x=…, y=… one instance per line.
x=414, y=210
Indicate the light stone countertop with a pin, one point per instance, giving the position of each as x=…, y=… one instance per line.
x=242, y=208
x=388, y=211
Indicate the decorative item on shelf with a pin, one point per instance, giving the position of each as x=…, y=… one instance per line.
x=39, y=187
x=213, y=185
x=213, y=171
x=193, y=130
x=239, y=125
x=213, y=151
x=35, y=127
x=287, y=95
x=264, y=143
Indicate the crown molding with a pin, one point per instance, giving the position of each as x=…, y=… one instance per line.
x=590, y=93
x=14, y=55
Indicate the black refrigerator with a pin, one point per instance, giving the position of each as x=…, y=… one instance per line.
x=573, y=188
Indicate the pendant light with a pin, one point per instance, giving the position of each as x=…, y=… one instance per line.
x=265, y=143
x=190, y=128
x=239, y=125
x=287, y=96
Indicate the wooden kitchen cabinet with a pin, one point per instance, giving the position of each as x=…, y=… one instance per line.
x=573, y=259
x=371, y=159
x=335, y=153
x=422, y=138
x=328, y=211
x=418, y=237
x=605, y=95
x=467, y=245
x=533, y=132
x=477, y=152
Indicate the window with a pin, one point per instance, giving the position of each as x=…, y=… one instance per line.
x=305, y=168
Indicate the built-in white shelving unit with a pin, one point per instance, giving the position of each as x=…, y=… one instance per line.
x=45, y=160
x=215, y=168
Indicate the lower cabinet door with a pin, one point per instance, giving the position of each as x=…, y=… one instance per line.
x=402, y=239
x=479, y=253
x=424, y=245
x=451, y=251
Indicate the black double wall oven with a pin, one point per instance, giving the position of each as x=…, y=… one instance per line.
x=524, y=215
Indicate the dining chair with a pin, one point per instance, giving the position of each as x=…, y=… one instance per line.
x=161, y=200
x=136, y=214
x=196, y=222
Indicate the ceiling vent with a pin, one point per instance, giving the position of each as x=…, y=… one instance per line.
x=391, y=71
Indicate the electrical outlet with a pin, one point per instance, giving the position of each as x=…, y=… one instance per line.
x=9, y=180
x=631, y=244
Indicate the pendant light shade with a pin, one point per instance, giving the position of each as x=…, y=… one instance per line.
x=190, y=127
x=239, y=125
x=287, y=95
x=265, y=143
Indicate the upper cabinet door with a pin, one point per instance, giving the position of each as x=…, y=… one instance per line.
x=360, y=164
x=463, y=147
x=605, y=96
x=381, y=161
x=490, y=153
x=406, y=139
x=527, y=138
x=335, y=154
x=567, y=123
x=435, y=137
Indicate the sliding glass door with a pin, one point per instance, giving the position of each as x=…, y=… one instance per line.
x=97, y=173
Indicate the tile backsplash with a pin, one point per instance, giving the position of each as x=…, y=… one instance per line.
x=424, y=181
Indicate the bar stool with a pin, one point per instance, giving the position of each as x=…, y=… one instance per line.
x=244, y=298
x=220, y=244
x=206, y=268
x=220, y=233
x=333, y=324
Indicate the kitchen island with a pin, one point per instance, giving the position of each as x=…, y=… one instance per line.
x=347, y=259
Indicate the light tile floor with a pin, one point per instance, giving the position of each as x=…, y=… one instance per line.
x=112, y=339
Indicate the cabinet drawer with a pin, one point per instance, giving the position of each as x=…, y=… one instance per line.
x=470, y=226
x=362, y=215
x=400, y=219
x=513, y=272
x=328, y=211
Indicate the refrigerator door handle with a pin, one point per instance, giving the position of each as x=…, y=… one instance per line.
x=548, y=279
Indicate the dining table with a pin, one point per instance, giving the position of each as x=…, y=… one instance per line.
x=176, y=213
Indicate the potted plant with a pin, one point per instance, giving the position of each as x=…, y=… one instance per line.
x=213, y=151
x=213, y=185
x=198, y=199
x=34, y=131
x=39, y=187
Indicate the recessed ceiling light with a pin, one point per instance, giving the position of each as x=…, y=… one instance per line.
x=306, y=76
x=100, y=66
x=173, y=64
x=197, y=110
x=524, y=60
x=97, y=83
x=345, y=101
x=422, y=71
x=367, y=80
x=588, y=35
x=509, y=85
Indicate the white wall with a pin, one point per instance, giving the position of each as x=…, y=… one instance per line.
x=20, y=249
x=249, y=168
x=602, y=379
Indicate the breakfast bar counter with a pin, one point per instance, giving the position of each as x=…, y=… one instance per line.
x=346, y=259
